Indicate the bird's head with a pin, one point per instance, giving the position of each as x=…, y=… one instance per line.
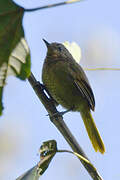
x=56, y=50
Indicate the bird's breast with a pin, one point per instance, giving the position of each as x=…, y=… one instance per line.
x=60, y=85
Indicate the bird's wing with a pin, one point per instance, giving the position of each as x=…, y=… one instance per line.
x=82, y=83
x=86, y=91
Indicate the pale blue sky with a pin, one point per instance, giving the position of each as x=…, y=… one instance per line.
x=95, y=26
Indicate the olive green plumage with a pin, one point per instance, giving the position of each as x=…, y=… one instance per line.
x=69, y=86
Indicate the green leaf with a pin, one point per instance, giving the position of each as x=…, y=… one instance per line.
x=47, y=152
x=48, y=147
x=11, y=30
x=11, y=40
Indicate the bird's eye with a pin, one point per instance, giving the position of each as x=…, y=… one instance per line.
x=60, y=49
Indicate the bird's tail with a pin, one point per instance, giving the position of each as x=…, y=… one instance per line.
x=93, y=132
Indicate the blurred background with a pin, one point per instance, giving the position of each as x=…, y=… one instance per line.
x=95, y=26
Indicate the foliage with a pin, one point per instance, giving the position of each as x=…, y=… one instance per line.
x=47, y=152
x=14, y=52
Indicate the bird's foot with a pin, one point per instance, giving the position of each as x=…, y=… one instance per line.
x=60, y=113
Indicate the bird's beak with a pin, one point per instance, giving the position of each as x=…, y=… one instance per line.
x=47, y=43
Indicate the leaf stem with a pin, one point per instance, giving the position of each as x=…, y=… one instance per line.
x=79, y=156
x=52, y=5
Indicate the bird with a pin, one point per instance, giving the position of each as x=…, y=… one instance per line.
x=68, y=85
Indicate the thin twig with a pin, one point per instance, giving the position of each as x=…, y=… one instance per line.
x=57, y=120
x=99, y=69
x=68, y=151
x=52, y=5
x=79, y=156
x=76, y=154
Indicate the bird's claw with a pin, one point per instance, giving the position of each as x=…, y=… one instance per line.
x=59, y=113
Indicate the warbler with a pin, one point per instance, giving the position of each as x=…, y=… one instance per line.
x=68, y=85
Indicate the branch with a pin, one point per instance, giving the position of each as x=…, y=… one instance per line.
x=52, y=5
x=57, y=120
